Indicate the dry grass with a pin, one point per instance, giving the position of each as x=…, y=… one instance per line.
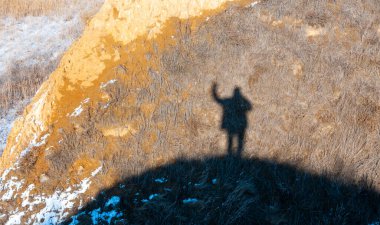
x=311, y=75
x=21, y=83
x=315, y=98
x=22, y=8
x=22, y=79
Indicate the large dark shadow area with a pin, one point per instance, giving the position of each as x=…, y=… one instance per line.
x=231, y=190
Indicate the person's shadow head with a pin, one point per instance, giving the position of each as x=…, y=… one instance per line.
x=234, y=120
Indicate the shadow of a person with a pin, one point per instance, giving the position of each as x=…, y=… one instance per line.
x=234, y=120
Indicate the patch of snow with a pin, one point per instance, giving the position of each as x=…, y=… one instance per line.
x=75, y=220
x=15, y=219
x=152, y=196
x=32, y=40
x=6, y=122
x=106, y=105
x=35, y=119
x=17, y=140
x=36, y=112
x=198, y=184
x=114, y=201
x=33, y=143
x=161, y=180
x=190, y=201
x=56, y=205
x=100, y=217
x=96, y=171
x=78, y=110
x=5, y=173
x=86, y=100
x=5, y=127
x=11, y=186
x=253, y=4
x=25, y=197
x=103, y=85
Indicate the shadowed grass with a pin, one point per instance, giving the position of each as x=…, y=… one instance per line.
x=231, y=190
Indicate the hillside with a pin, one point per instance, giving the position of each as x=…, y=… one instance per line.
x=34, y=35
x=268, y=106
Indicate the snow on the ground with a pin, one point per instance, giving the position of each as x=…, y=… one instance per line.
x=102, y=215
x=54, y=207
x=12, y=185
x=253, y=4
x=190, y=201
x=98, y=216
x=114, y=201
x=160, y=180
x=103, y=85
x=5, y=128
x=6, y=121
x=152, y=196
x=34, y=143
x=78, y=110
x=36, y=42
x=15, y=219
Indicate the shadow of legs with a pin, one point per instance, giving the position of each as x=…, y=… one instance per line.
x=241, y=142
x=230, y=142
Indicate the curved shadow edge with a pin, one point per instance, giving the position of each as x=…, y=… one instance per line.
x=231, y=190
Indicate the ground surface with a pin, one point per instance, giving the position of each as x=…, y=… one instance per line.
x=34, y=35
x=157, y=99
